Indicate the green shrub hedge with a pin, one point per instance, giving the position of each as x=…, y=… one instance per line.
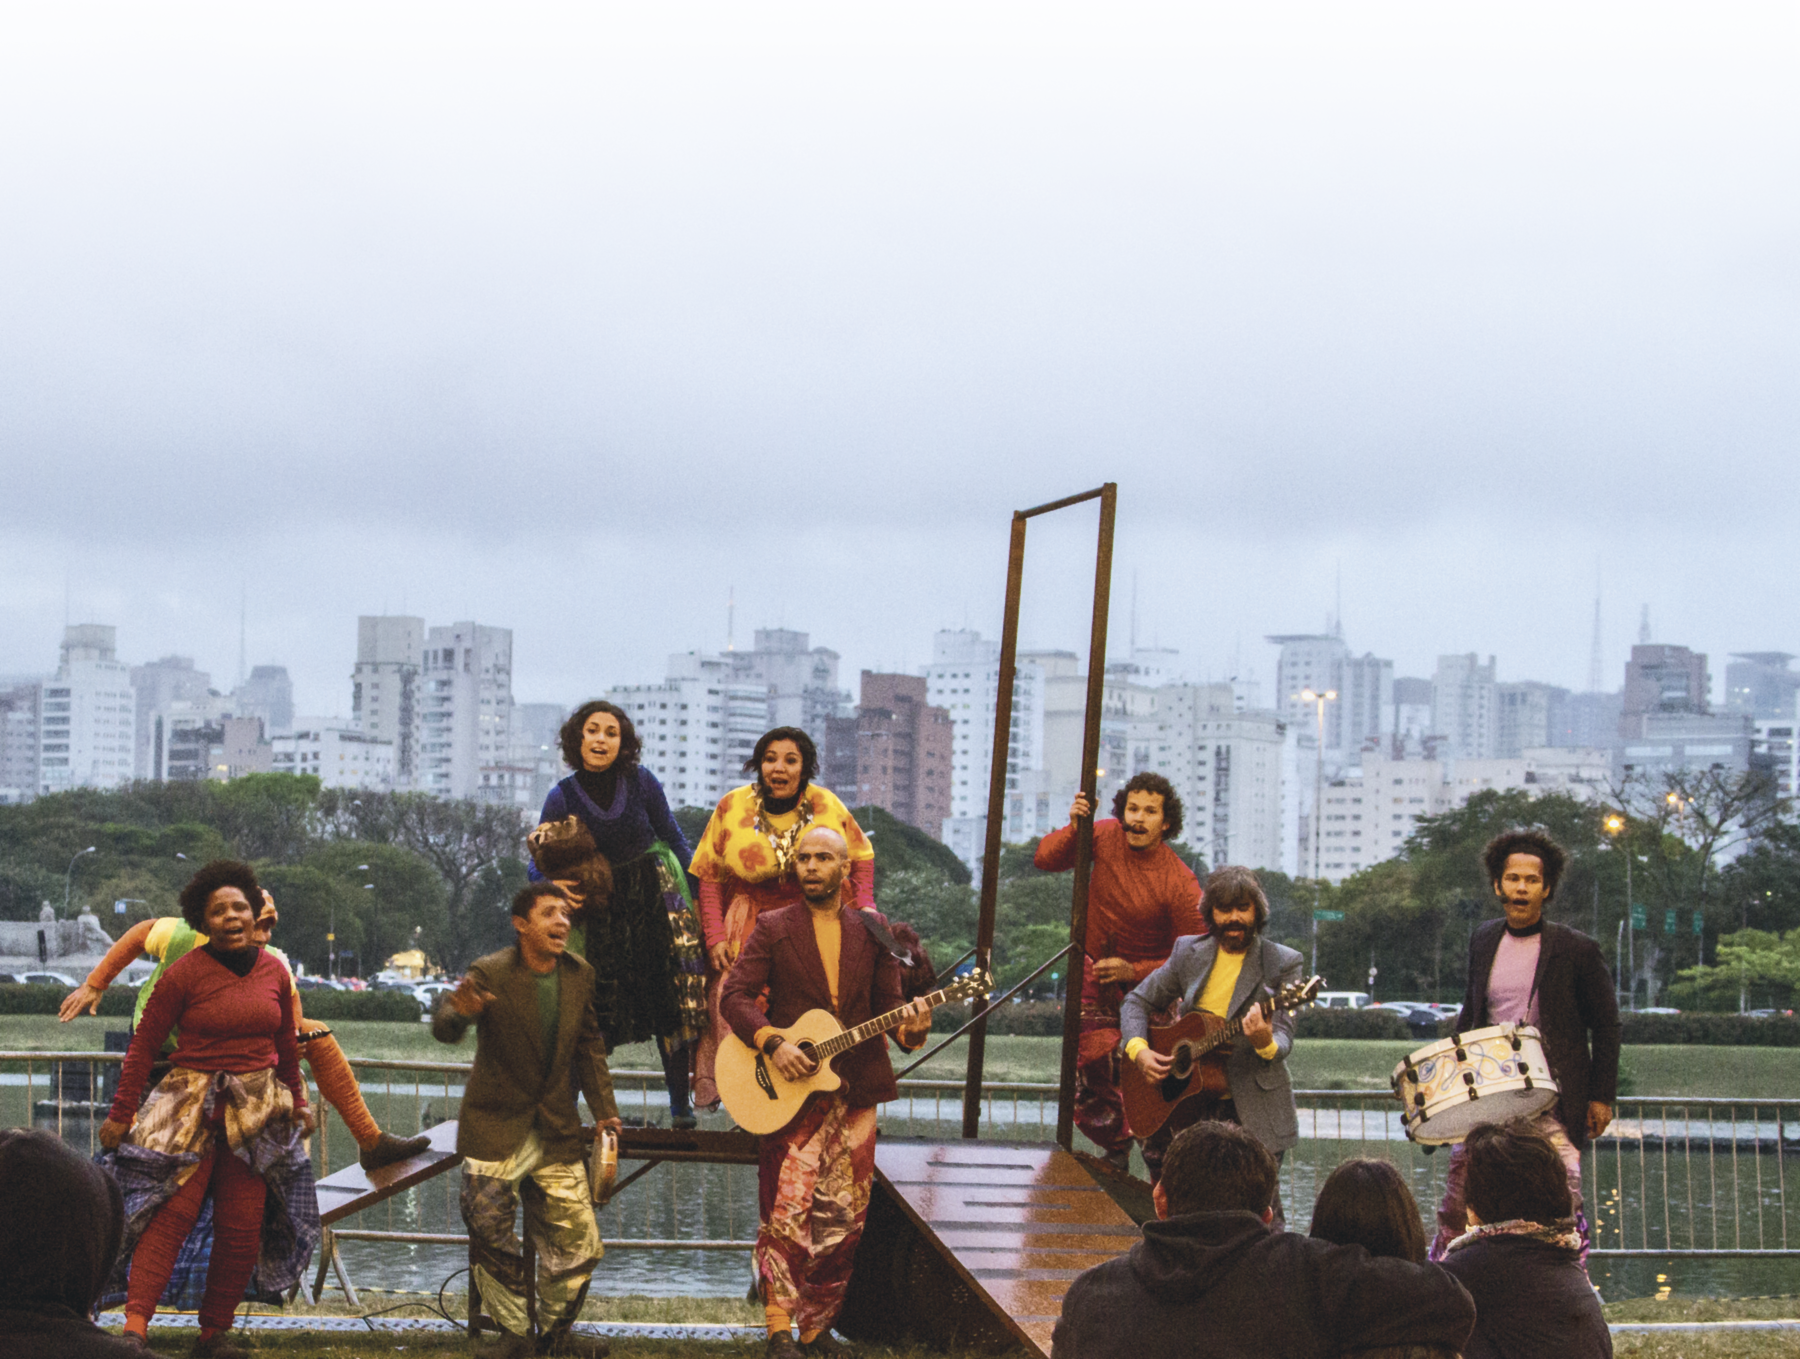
x=1708, y=1030
x=46, y=1000
x=1029, y=1018
x=1380, y=1024
x=118, y=1001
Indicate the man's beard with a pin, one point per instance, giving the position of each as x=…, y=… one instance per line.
x=818, y=896
x=1236, y=936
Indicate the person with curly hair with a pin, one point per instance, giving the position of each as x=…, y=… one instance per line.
x=745, y=864
x=1524, y=969
x=1141, y=899
x=168, y=940
x=635, y=925
x=229, y=1122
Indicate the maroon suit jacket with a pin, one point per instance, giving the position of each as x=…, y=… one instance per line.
x=783, y=956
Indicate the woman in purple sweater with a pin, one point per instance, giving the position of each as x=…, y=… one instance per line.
x=643, y=941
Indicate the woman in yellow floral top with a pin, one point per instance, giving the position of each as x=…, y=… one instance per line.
x=744, y=863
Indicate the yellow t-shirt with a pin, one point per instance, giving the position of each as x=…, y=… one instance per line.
x=1215, y=999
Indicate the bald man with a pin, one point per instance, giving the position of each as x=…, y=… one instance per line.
x=814, y=1176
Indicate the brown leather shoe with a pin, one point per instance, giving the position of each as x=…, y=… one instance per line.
x=826, y=1344
x=390, y=1150
x=782, y=1345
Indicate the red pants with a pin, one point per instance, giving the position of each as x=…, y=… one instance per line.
x=237, y=1194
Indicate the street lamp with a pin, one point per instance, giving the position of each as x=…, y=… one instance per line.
x=69, y=878
x=1318, y=698
x=1615, y=826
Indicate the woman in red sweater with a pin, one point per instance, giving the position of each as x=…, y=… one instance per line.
x=230, y=1121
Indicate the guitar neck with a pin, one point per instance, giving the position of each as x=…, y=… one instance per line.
x=849, y=1038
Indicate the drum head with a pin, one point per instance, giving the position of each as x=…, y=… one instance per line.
x=1455, y=1121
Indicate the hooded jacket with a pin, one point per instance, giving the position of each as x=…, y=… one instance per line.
x=61, y=1220
x=1533, y=1298
x=1225, y=1286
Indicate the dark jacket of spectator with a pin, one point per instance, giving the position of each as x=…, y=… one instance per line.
x=1531, y=1298
x=1224, y=1285
x=61, y=1220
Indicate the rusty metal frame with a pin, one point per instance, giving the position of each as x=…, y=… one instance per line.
x=1107, y=495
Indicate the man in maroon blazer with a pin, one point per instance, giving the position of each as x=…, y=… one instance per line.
x=814, y=1177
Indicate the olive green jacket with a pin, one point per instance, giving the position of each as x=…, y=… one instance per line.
x=508, y=1091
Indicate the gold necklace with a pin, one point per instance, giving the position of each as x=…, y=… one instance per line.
x=783, y=842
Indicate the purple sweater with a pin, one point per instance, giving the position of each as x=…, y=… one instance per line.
x=637, y=817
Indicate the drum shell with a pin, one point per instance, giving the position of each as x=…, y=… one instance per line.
x=1502, y=1074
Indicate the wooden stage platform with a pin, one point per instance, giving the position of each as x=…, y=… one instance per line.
x=971, y=1244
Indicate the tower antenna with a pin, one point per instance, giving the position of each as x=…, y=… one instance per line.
x=1596, y=668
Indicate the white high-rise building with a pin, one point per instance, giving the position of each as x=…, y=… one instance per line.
x=158, y=685
x=801, y=680
x=1465, y=706
x=465, y=716
x=385, y=693
x=86, y=737
x=697, y=727
x=19, y=738
x=964, y=679
x=1312, y=661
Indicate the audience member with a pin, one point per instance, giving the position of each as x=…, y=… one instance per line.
x=61, y=1221
x=1212, y=1281
x=1366, y=1203
x=1520, y=1257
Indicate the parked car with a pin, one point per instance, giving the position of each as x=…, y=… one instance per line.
x=1769, y=1014
x=428, y=992
x=313, y=983
x=1342, y=1000
x=1657, y=1010
x=1419, y=1017
x=48, y=979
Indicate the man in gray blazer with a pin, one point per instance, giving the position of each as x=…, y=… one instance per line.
x=1231, y=971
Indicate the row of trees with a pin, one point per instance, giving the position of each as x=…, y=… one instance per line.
x=383, y=871
x=386, y=871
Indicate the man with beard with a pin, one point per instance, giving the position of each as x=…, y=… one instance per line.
x=1229, y=973
x=814, y=1175
x=1141, y=899
x=1526, y=970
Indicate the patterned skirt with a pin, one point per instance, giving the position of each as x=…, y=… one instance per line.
x=168, y=1142
x=648, y=960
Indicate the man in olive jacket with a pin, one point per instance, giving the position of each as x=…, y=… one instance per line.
x=536, y=1037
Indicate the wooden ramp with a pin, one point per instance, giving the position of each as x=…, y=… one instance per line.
x=975, y=1243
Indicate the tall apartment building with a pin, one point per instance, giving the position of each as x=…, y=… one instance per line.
x=1529, y=715
x=802, y=680
x=1312, y=661
x=465, y=711
x=1663, y=680
x=158, y=685
x=1412, y=714
x=964, y=679
x=698, y=727
x=1775, y=740
x=87, y=735
x=385, y=694
x=268, y=693
x=899, y=752
x=1759, y=683
x=19, y=739
x=1365, y=703
x=1465, y=706
x=1225, y=765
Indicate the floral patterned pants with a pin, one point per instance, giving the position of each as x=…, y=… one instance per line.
x=813, y=1185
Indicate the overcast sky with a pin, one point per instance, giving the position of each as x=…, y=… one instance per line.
x=576, y=320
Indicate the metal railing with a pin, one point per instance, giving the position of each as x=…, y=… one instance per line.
x=1672, y=1177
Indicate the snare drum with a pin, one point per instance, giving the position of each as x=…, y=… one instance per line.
x=1482, y=1076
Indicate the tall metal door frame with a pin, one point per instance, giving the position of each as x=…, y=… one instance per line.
x=1107, y=495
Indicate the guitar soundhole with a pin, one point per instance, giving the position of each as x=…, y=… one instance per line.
x=1181, y=1062
x=805, y=1046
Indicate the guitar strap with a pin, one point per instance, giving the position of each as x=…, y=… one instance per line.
x=884, y=937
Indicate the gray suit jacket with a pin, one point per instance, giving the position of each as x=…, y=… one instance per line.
x=1261, y=1090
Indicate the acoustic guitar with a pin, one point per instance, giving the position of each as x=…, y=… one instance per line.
x=762, y=1100
x=1197, y=1045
